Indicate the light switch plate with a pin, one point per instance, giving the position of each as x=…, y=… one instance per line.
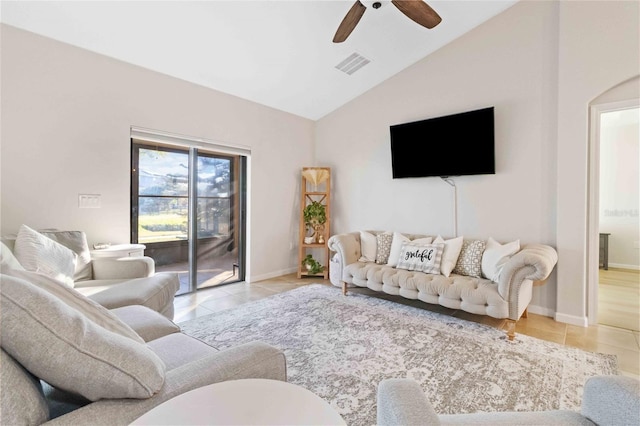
x=89, y=201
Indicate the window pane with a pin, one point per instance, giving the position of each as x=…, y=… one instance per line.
x=214, y=217
x=162, y=219
x=163, y=172
x=214, y=177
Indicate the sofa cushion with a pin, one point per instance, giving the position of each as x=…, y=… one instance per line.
x=421, y=257
x=396, y=246
x=450, y=254
x=61, y=346
x=156, y=292
x=475, y=295
x=37, y=253
x=495, y=256
x=368, y=247
x=22, y=401
x=383, y=243
x=470, y=259
x=77, y=242
x=511, y=418
x=147, y=323
x=87, y=307
x=179, y=349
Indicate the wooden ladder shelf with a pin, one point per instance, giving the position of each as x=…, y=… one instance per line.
x=310, y=193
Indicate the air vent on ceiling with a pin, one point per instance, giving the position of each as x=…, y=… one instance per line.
x=353, y=63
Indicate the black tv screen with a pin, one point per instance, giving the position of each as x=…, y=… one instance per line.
x=452, y=145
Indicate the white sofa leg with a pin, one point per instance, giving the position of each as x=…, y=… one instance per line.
x=344, y=288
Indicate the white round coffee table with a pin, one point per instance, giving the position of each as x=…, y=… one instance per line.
x=244, y=402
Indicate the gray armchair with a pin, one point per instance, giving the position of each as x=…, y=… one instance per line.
x=112, y=282
x=66, y=360
x=607, y=400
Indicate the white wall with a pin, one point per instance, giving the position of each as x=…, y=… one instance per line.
x=540, y=64
x=599, y=47
x=619, y=185
x=509, y=62
x=66, y=114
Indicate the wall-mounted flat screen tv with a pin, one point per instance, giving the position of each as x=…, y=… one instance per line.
x=452, y=145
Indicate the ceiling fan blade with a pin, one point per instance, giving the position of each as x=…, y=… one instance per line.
x=349, y=22
x=418, y=11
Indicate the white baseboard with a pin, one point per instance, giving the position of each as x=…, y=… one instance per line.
x=269, y=275
x=624, y=266
x=540, y=310
x=572, y=319
x=569, y=319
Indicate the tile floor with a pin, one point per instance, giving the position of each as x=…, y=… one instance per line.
x=599, y=338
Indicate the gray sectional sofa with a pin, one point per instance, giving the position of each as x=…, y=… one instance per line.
x=67, y=360
x=607, y=400
x=90, y=341
x=506, y=298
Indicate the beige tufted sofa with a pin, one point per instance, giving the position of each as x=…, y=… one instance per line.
x=506, y=299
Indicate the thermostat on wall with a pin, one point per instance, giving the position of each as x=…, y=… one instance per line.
x=89, y=201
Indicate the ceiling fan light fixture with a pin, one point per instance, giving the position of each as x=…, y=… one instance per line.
x=373, y=4
x=416, y=10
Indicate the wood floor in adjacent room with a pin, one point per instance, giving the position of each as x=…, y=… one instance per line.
x=619, y=298
x=598, y=338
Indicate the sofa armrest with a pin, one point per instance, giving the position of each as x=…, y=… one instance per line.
x=123, y=268
x=252, y=360
x=533, y=263
x=347, y=246
x=612, y=400
x=402, y=402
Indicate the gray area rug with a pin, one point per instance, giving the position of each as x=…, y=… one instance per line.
x=341, y=347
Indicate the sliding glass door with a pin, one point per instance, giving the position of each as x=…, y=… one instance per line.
x=186, y=207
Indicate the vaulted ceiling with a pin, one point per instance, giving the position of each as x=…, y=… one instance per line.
x=276, y=53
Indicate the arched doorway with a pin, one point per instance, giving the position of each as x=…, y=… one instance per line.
x=613, y=253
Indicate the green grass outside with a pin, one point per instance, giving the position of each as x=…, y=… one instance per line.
x=148, y=221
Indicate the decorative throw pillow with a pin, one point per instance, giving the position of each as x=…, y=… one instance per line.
x=396, y=246
x=7, y=259
x=367, y=247
x=495, y=256
x=77, y=242
x=384, y=247
x=37, y=253
x=74, y=299
x=470, y=259
x=64, y=348
x=450, y=254
x=421, y=257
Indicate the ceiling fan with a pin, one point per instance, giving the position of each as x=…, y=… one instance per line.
x=416, y=10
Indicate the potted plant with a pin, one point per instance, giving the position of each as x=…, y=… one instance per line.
x=313, y=266
x=315, y=217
